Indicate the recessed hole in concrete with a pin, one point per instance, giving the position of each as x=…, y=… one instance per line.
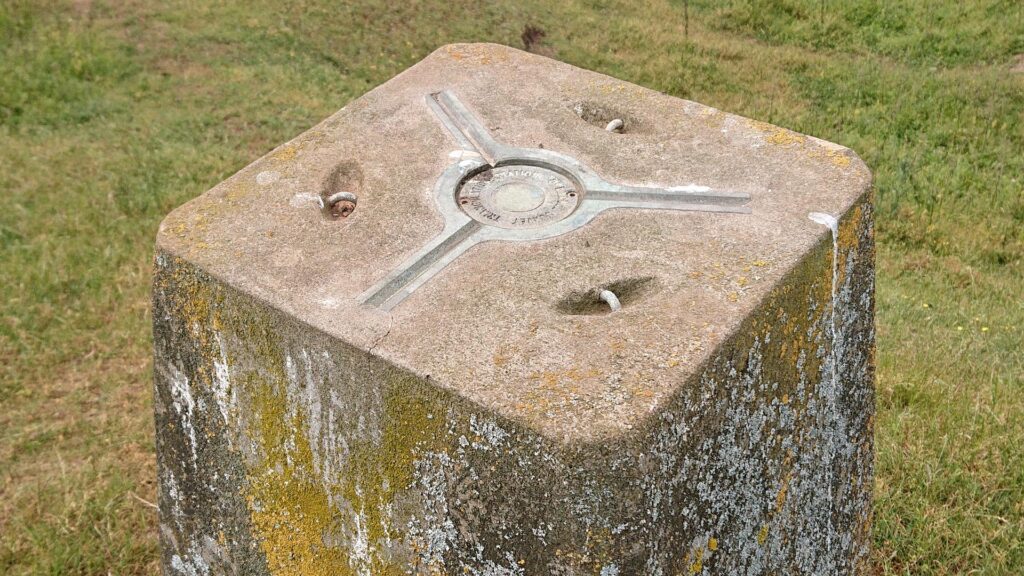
x=590, y=303
x=605, y=118
x=341, y=189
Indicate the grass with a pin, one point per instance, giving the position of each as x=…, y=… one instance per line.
x=112, y=113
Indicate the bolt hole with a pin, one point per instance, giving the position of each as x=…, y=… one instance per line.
x=342, y=204
x=608, y=119
x=340, y=190
x=591, y=303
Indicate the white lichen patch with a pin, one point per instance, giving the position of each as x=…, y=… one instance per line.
x=183, y=403
x=223, y=395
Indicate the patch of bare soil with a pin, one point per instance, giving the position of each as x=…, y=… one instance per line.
x=1018, y=64
x=533, y=41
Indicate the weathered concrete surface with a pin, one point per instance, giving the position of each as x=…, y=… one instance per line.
x=720, y=423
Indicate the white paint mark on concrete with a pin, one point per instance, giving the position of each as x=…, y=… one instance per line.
x=267, y=177
x=830, y=221
x=304, y=199
x=826, y=220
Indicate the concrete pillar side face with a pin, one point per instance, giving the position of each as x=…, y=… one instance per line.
x=767, y=466
x=204, y=520
x=284, y=453
x=719, y=422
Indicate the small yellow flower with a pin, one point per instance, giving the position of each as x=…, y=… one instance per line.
x=984, y=328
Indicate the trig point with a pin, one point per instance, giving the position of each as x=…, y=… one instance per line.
x=504, y=316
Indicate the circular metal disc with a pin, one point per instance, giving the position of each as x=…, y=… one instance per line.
x=518, y=196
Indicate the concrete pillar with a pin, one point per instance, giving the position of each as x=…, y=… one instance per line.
x=501, y=315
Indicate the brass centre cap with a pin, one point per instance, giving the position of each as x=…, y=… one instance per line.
x=518, y=196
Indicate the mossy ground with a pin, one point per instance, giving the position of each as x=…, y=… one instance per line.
x=112, y=113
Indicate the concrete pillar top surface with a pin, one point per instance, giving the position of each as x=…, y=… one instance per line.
x=562, y=248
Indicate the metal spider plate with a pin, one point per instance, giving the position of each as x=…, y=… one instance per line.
x=492, y=191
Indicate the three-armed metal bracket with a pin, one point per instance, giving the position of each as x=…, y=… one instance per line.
x=492, y=191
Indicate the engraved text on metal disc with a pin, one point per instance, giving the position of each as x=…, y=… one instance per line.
x=518, y=196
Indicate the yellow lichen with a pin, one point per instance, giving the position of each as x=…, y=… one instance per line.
x=776, y=135
x=477, y=53
x=287, y=152
x=291, y=514
x=839, y=159
x=762, y=536
x=780, y=498
x=713, y=117
x=849, y=237
x=698, y=562
x=596, y=553
x=289, y=506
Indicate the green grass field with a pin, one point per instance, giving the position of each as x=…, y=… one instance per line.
x=114, y=112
